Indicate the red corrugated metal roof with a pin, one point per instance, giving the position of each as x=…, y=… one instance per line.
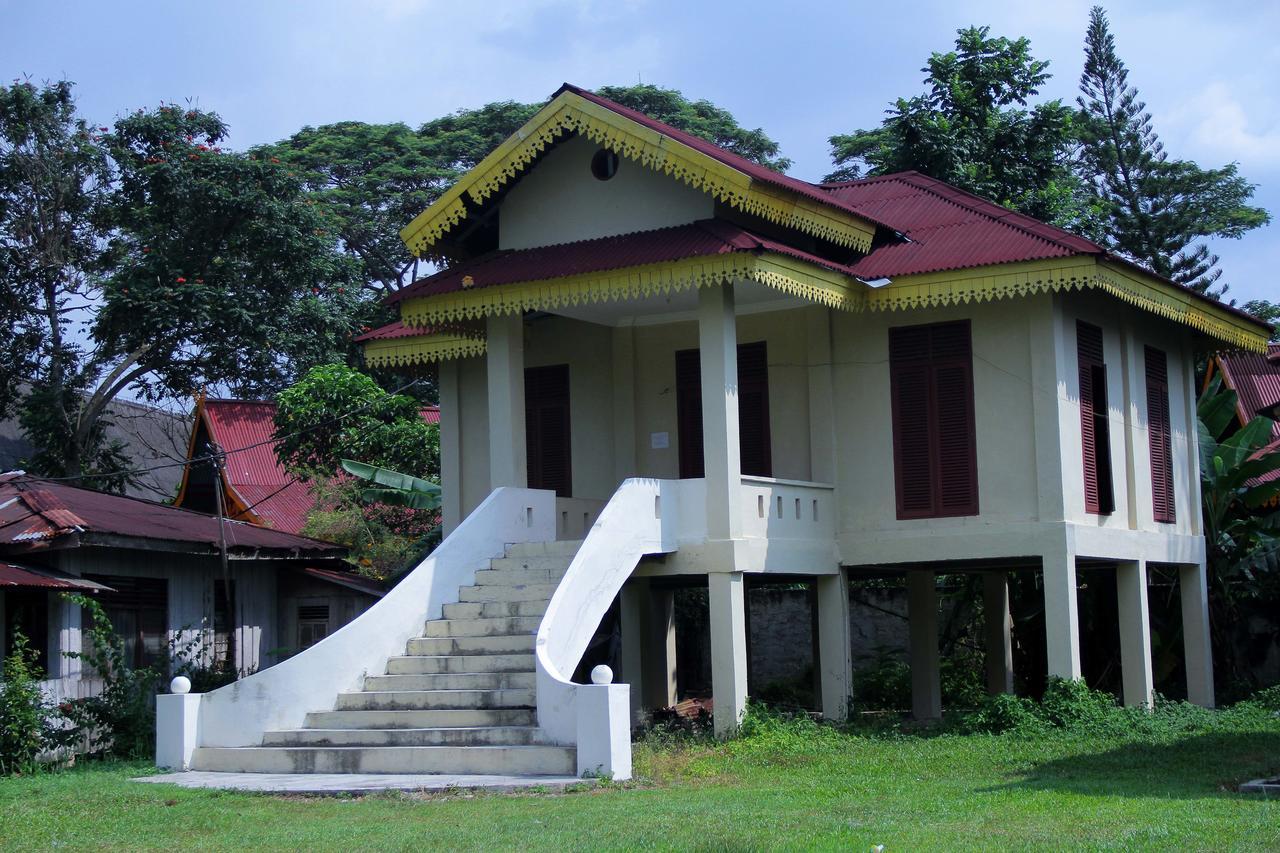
x=704, y=238
x=347, y=579
x=25, y=518
x=431, y=414
x=399, y=330
x=29, y=577
x=948, y=228
x=1256, y=380
x=244, y=429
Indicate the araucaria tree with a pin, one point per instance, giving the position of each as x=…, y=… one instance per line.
x=974, y=129
x=1154, y=209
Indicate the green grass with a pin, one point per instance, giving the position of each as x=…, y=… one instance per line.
x=787, y=785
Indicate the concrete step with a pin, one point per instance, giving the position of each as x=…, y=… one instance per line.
x=501, y=626
x=388, y=759
x=557, y=566
x=458, y=736
x=470, y=645
x=567, y=548
x=460, y=718
x=422, y=700
x=491, y=609
x=429, y=664
x=520, y=592
x=518, y=577
x=451, y=681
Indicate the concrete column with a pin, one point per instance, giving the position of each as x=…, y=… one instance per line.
x=508, y=462
x=634, y=616
x=450, y=447
x=728, y=649
x=922, y=619
x=718, y=344
x=1135, y=633
x=999, y=631
x=1061, y=613
x=659, y=658
x=835, y=649
x=624, y=403
x=1193, y=584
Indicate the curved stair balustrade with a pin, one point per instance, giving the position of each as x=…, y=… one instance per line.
x=280, y=697
x=641, y=518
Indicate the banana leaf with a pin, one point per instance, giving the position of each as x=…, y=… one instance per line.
x=389, y=478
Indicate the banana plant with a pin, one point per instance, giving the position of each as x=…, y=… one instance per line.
x=392, y=487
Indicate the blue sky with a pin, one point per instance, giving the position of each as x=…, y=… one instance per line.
x=801, y=71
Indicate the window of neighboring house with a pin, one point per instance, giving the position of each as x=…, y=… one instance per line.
x=224, y=624
x=313, y=624
x=1158, y=434
x=1095, y=430
x=754, y=439
x=139, y=612
x=27, y=610
x=548, y=445
x=934, y=448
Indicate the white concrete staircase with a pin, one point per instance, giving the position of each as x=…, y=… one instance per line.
x=461, y=700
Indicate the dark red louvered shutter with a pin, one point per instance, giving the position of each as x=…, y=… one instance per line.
x=689, y=414
x=548, y=443
x=1158, y=432
x=1088, y=356
x=931, y=387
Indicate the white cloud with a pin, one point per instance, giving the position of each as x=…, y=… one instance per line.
x=1215, y=126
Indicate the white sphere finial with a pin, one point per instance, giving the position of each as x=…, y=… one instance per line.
x=601, y=675
x=180, y=684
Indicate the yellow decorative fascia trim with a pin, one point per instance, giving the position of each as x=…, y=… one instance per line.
x=788, y=275
x=571, y=113
x=985, y=284
x=1174, y=303
x=421, y=349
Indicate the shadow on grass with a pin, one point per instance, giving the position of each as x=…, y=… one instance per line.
x=1198, y=766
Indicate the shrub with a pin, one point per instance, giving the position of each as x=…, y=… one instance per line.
x=1002, y=713
x=29, y=723
x=1069, y=703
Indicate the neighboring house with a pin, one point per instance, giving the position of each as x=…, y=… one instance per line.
x=154, y=443
x=157, y=572
x=255, y=486
x=1255, y=377
x=661, y=365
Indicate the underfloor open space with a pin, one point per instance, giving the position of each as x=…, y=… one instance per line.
x=783, y=785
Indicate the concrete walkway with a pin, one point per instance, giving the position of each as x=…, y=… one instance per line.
x=357, y=783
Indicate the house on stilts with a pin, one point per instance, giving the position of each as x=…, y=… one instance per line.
x=662, y=364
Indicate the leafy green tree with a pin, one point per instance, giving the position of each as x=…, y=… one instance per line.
x=974, y=128
x=1266, y=311
x=1153, y=209
x=335, y=413
x=370, y=180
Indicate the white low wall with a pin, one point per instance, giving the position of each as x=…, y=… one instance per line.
x=641, y=518
x=280, y=697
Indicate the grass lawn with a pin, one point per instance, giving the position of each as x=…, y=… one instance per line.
x=787, y=788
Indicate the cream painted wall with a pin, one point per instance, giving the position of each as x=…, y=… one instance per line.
x=561, y=201
x=1004, y=334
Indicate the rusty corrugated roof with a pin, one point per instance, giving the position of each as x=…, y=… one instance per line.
x=33, y=511
x=30, y=577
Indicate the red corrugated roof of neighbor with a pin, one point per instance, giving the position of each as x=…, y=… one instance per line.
x=398, y=329
x=33, y=510
x=244, y=429
x=1256, y=380
x=704, y=238
x=347, y=579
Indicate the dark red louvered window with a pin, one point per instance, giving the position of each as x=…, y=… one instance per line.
x=547, y=439
x=1095, y=425
x=754, y=438
x=1158, y=433
x=934, y=447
